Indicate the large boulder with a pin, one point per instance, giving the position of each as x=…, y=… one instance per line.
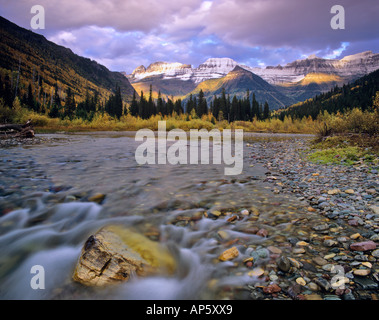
x=115, y=254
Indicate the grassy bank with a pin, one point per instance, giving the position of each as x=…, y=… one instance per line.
x=104, y=122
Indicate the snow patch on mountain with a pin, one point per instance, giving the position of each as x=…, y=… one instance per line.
x=356, y=65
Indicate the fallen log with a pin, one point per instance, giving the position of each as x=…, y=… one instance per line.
x=16, y=127
x=17, y=130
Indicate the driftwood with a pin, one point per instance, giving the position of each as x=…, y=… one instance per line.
x=17, y=130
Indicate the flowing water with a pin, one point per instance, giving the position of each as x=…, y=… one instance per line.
x=46, y=216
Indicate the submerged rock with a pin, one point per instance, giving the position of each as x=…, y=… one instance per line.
x=115, y=254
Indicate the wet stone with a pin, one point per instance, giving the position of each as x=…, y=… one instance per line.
x=365, y=283
x=283, y=264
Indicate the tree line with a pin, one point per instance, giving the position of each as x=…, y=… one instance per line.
x=62, y=103
x=222, y=107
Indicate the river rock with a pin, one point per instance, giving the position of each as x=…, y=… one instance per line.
x=363, y=246
x=375, y=253
x=283, y=264
x=114, y=254
x=229, y=254
x=272, y=288
x=98, y=198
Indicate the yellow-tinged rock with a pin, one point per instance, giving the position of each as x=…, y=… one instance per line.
x=362, y=272
x=256, y=272
x=302, y=244
x=229, y=254
x=334, y=191
x=301, y=281
x=355, y=236
x=312, y=296
x=98, y=198
x=295, y=263
x=223, y=235
x=367, y=264
x=329, y=256
x=114, y=254
x=350, y=191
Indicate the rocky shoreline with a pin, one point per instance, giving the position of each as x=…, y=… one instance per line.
x=345, y=245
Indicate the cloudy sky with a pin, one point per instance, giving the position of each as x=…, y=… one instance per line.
x=123, y=34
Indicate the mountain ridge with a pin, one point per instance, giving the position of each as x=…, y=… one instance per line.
x=38, y=57
x=295, y=80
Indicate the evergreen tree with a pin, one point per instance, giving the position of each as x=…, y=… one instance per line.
x=190, y=104
x=215, y=106
x=56, y=106
x=134, y=105
x=160, y=104
x=70, y=105
x=266, y=111
x=142, y=106
x=246, y=108
x=254, y=107
x=178, y=106
x=223, y=104
x=118, y=105
x=151, y=108
x=202, y=107
x=170, y=107
x=233, y=115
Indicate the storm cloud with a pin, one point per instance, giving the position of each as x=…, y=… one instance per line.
x=124, y=34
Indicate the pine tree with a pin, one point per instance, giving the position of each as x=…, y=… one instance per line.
x=170, y=107
x=178, y=106
x=70, y=105
x=233, y=115
x=202, y=107
x=118, y=105
x=134, y=105
x=266, y=111
x=254, y=107
x=160, y=106
x=190, y=104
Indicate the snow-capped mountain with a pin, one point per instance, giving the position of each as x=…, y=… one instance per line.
x=211, y=69
x=349, y=67
x=298, y=80
x=169, y=70
x=353, y=66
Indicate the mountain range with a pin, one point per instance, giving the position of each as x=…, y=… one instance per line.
x=28, y=58
x=280, y=85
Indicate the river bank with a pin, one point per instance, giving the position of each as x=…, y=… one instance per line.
x=347, y=196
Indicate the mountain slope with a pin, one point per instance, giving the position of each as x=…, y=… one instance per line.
x=310, y=86
x=40, y=58
x=359, y=94
x=237, y=82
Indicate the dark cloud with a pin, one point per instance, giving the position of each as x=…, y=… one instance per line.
x=123, y=34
